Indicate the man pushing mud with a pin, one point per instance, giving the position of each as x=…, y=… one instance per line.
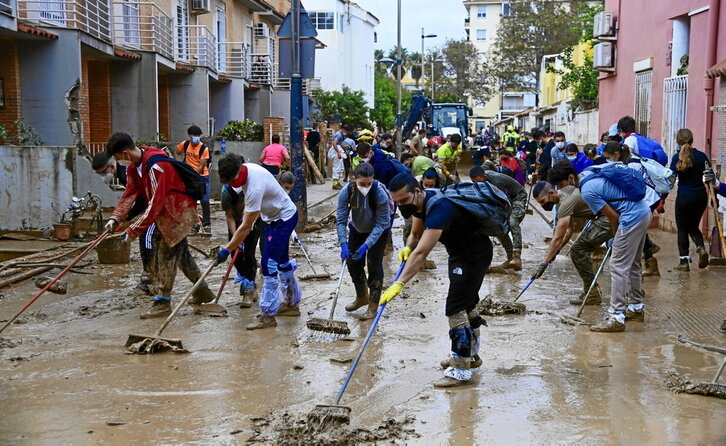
x=438, y=218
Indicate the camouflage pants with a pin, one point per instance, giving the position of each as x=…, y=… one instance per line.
x=165, y=262
x=581, y=252
x=515, y=218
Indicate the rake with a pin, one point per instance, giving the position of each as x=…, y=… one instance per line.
x=314, y=275
x=329, y=325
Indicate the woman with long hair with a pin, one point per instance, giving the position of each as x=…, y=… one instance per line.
x=689, y=163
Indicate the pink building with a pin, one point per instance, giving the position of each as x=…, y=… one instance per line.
x=655, y=44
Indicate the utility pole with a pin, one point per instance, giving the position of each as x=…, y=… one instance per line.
x=399, y=62
x=299, y=168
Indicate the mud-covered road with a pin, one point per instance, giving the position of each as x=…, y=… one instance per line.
x=64, y=377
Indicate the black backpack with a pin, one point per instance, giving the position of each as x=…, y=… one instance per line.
x=201, y=152
x=194, y=184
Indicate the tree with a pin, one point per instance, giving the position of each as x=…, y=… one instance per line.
x=413, y=64
x=393, y=54
x=384, y=112
x=533, y=29
x=346, y=106
x=463, y=75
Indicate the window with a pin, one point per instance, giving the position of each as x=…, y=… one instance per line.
x=481, y=11
x=322, y=20
x=505, y=8
x=481, y=34
x=643, y=96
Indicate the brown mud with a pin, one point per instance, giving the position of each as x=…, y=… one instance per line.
x=64, y=377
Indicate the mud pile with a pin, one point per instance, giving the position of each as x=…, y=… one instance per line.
x=489, y=307
x=286, y=429
x=681, y=384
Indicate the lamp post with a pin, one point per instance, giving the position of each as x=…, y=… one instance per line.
x=399, y=56
x=433, y=83
x=424, y=36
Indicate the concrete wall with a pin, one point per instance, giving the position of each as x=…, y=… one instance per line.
x=227, y=102
x=134, y=97
x=249, y=150
x=188, y=102
x=89, y=181
x=43, y=95
x=257, y=103
x=581, y=128
x=280, y=100
x=36, y=184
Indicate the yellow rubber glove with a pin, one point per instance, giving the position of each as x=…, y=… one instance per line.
x=392, y=291
x=404, y=253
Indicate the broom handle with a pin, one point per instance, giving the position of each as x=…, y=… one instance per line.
x=299, y=243
x=594, y=281
x=714, y=205
x=337, y=290
x=718, y=373
x=226, y=276
x=365, y=342
x=524, y=289
x=186, y=298
x=56, y=278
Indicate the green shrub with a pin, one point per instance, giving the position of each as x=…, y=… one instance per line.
x=241, y=131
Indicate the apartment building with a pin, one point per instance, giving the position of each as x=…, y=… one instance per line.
x=147, y=68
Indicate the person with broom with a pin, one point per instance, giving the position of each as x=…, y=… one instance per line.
x=265, y=199
x=363, y=221
x=169, y=208
x=438, y=218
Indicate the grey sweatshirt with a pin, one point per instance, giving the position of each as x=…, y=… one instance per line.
x=364, y=219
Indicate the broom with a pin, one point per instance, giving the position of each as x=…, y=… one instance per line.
x=719, y=227
x=314, y=275
x=329, y=325
x=213, y=308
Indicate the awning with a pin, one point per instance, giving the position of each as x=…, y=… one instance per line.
x=254, y=5
x=717, y=70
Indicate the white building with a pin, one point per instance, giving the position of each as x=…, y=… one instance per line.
x=347, y=30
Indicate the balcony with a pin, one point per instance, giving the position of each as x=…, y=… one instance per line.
x=308, y=85
x=143, y=26
x=196, y=45
x=233, y=59
x=90, y=16
x=262, y=70
x=6, y=6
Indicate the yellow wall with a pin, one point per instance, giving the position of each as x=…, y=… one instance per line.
x=549, y=94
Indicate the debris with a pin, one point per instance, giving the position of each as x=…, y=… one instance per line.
x=156, y=345
x=116, y=423
x=681, y=384
x=341, y=360
x=60, y=287
x=298, y=367
x=489, y=307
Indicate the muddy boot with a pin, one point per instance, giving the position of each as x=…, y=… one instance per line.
x=447, y=382
x=476, y=362
x=288, y=310
x=702, y=257
x=247, y=291
x=372, y=304
x=723, y=326
x=612, y=323
x=683, y=264
x=651, y=267
x=144, y=285
x=201, y=295
x=499, y=269
x=361, y=297
x=595, y=297
x=336, y=184
x=635, y=315
x=516, y=262
x=160, y=308
x=262, y=321
x=654, y=248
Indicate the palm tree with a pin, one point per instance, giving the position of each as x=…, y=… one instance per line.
x=414, y=64
x=393, y=54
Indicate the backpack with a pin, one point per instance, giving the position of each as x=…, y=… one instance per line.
x=194, y=184
x=662, y=177
x=629, y=181
x=484, y=201
x=650, y=148
x=372, y=196
x=201, y=152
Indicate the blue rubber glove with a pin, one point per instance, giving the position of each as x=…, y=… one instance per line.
x=609, y=243
x=344, y=253
x=360, y=253
x=222, y=256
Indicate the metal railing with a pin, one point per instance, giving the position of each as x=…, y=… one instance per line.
x=196, y=45
x=675, y=93
x=6, y=6
x=143, y=26
x=233, y=59
x=90, y=16
x=262, y=70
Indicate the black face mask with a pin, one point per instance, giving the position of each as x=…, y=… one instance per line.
x=407, y=210
x=548, y=206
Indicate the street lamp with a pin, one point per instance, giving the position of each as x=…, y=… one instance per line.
x=433, y=83
x=424, y=36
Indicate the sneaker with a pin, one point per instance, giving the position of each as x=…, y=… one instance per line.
x=476, y=362
x=635, y=316
x=682, y=265
x=288, y=310
x=608, y=325
x=446, y=382
x=262, y=321
x=158, y=309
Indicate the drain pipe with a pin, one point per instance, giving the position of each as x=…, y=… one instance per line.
x=708, y=86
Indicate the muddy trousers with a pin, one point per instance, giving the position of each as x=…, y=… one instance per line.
x=373, y=260
x=598, y=233
x=278, y=271
x=246, y=263
x=515, y=229
x=690, y=205
x=625, y=269
x=206, y=212
x=146, y=250
x=166, y=260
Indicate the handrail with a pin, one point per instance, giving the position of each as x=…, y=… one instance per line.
x=90, y=16
x=143, y=26
x=196, y=45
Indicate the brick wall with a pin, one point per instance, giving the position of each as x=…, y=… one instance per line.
x=10, y=74
x=164, y=125
x=83, y=102
x=99, y=99
x=273, y=126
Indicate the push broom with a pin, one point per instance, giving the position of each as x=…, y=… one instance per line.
x=314, y=275
x=213, y=309
x=329, y=325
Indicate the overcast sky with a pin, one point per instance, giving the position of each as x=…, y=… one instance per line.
x=445, y=18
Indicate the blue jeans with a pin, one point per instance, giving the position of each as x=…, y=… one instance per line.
x=276, y=246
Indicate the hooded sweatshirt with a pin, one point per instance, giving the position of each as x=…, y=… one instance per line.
x=362, y=218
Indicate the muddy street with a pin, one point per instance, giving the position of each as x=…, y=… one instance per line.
x=65, y=379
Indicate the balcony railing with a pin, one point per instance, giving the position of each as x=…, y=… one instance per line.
x=196, y=45
x=233, y=59
x=143, y=26
x=6, y=6
x=262, y=71
x=90, y=16
x=308, y=85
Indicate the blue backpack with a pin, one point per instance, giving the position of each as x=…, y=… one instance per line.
x=629, y=181
x=651, y=149
x=489, y=205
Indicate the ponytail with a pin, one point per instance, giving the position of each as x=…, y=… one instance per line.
x=684, y=138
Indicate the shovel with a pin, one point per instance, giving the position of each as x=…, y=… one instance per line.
x=314, y=275
x=138, y=343
x=324, y=414
x=329, y=325
x=213, y=309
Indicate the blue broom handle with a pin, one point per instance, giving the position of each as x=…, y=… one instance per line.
x=365, y=342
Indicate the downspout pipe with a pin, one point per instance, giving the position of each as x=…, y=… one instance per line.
x=708, y=85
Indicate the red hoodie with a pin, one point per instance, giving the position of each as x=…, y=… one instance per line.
x=173, y=211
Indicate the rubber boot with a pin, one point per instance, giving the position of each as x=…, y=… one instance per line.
x=144, y=285
x=262, y=321
x=289, y=286
x=516, y=262
x=361, y=297
x=160, y=308
x=375, y=296
x=683, y=264
x=595, y=297
x=201, y=295
x=610, y=324
x=702, y=257
x=336, y=184
x=651, y=267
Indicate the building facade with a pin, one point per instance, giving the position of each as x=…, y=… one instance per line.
x=348, y=33
x=147, y=68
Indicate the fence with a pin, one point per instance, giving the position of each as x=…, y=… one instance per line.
x=143, y=26
x=675, y=91
x=90, y=16
x=196, y=45
x=233, y=59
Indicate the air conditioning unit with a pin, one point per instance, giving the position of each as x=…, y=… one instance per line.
x=262, y=31
x=201, y=6
x=604, y=57
x=604, y=25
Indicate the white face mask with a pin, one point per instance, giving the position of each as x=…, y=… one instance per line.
x=364, y=190
x=560, y=145
x=572, y=157
x=108, y=177
x=610, y=161
x=384, y=145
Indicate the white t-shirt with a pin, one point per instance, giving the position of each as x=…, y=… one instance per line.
x=264, y=194
x=632, y=142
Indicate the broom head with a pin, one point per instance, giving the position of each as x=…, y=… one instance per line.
x=328, y=326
